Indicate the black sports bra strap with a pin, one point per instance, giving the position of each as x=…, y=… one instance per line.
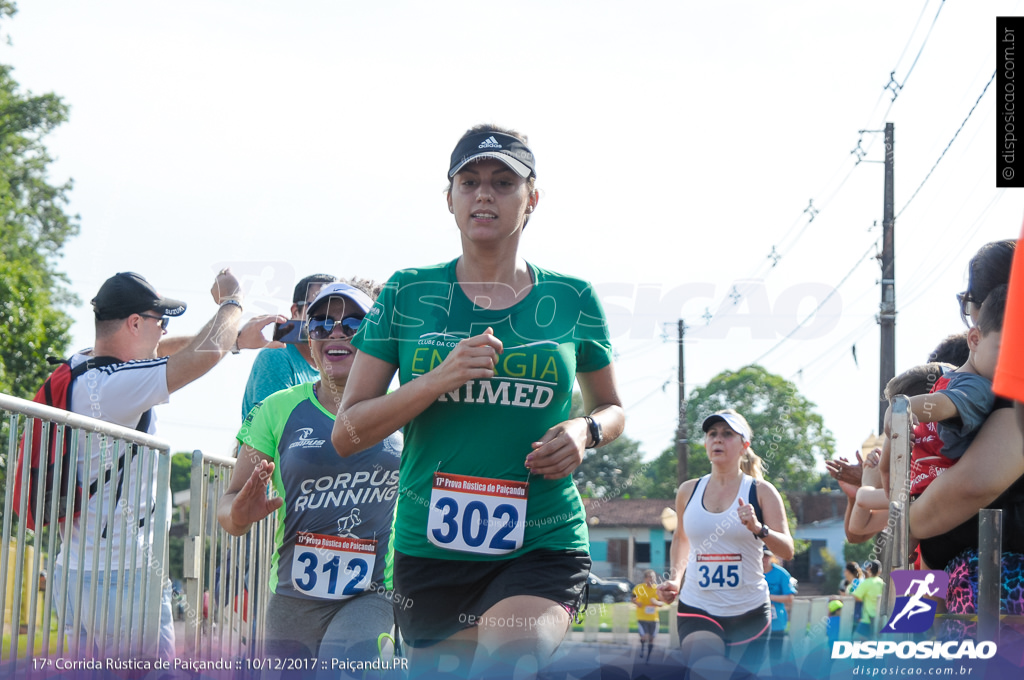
x=752, y=500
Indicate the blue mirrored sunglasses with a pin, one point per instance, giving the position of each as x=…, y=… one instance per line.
x=321, y=329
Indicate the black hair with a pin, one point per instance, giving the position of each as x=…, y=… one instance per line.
x=953, y=350
x=917, y=380
x=990, y=318
x=990, y=267
x=302, y=287
x=368, y=286
x=107, y=327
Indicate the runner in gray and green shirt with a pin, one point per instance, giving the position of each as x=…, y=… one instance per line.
x=335, y=514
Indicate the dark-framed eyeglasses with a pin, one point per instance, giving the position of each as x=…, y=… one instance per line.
x=164, y=320
x=321, y=329
x=964, y=299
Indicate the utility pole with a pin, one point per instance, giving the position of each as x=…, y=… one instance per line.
x=683, y=428
x=887, y=309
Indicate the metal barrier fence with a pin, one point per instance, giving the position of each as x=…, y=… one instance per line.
x=225, y=576
x=896, y=537
x=808, y=614
x=52, y=600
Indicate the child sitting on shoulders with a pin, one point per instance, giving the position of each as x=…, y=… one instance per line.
x=871, y=503
x=948, y=416
x=953, y=412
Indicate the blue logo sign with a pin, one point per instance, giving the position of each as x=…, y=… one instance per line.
x=912, y=612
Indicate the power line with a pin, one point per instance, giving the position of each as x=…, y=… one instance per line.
x=917, y=291
x=899, y=86
x=637, y=351
x=881, y=94
x=660, y=388
x=850, y=338
x=780, y=249
x=820, y=305
x=910, y=39
x=942, y=155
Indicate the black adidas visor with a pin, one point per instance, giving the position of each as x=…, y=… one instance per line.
x=505, y=148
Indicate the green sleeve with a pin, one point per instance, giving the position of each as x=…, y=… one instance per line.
x=374, y=336
x=861, y=589
x=594, y=350
x=258, y=431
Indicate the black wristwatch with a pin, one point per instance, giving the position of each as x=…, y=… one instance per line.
x=763, y=532
x=594, y=428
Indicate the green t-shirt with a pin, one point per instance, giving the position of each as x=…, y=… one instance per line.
x=869, y=591
x=484, y=429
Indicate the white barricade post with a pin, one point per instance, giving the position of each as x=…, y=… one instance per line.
x=130, y=544
x=226, y=577
x=799, y=618
x=847, y=621
x=673, y=626
x=193, y=567
x=620, y=622
x=592, y=622
x=895, y=554
x=817, y=625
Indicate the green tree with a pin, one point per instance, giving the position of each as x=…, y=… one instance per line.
x=659, y=477
x=181, y=479
x=34, y=227
x=181, y=471
x=860, y=552
x=790, y=437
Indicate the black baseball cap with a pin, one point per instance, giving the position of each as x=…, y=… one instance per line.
x=127, y=293
x=301, y=292
x=489, y=144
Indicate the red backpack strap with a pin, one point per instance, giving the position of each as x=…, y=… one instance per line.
x=55, y=392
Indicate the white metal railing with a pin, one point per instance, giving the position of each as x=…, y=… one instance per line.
x=226, y=577
x=808, y=613
x=38, y=628
x=896, y=536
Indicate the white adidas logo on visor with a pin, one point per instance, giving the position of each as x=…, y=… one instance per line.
x=489, y=143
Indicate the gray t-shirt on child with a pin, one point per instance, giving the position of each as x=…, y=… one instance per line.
x=973, y=398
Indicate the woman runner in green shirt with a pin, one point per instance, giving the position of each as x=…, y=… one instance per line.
x=491, y=543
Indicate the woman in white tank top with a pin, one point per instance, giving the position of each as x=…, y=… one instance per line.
x=725, y=520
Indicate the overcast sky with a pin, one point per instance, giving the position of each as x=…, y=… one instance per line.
x=678, y=145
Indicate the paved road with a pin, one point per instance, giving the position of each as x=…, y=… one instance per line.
x=607, y=658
